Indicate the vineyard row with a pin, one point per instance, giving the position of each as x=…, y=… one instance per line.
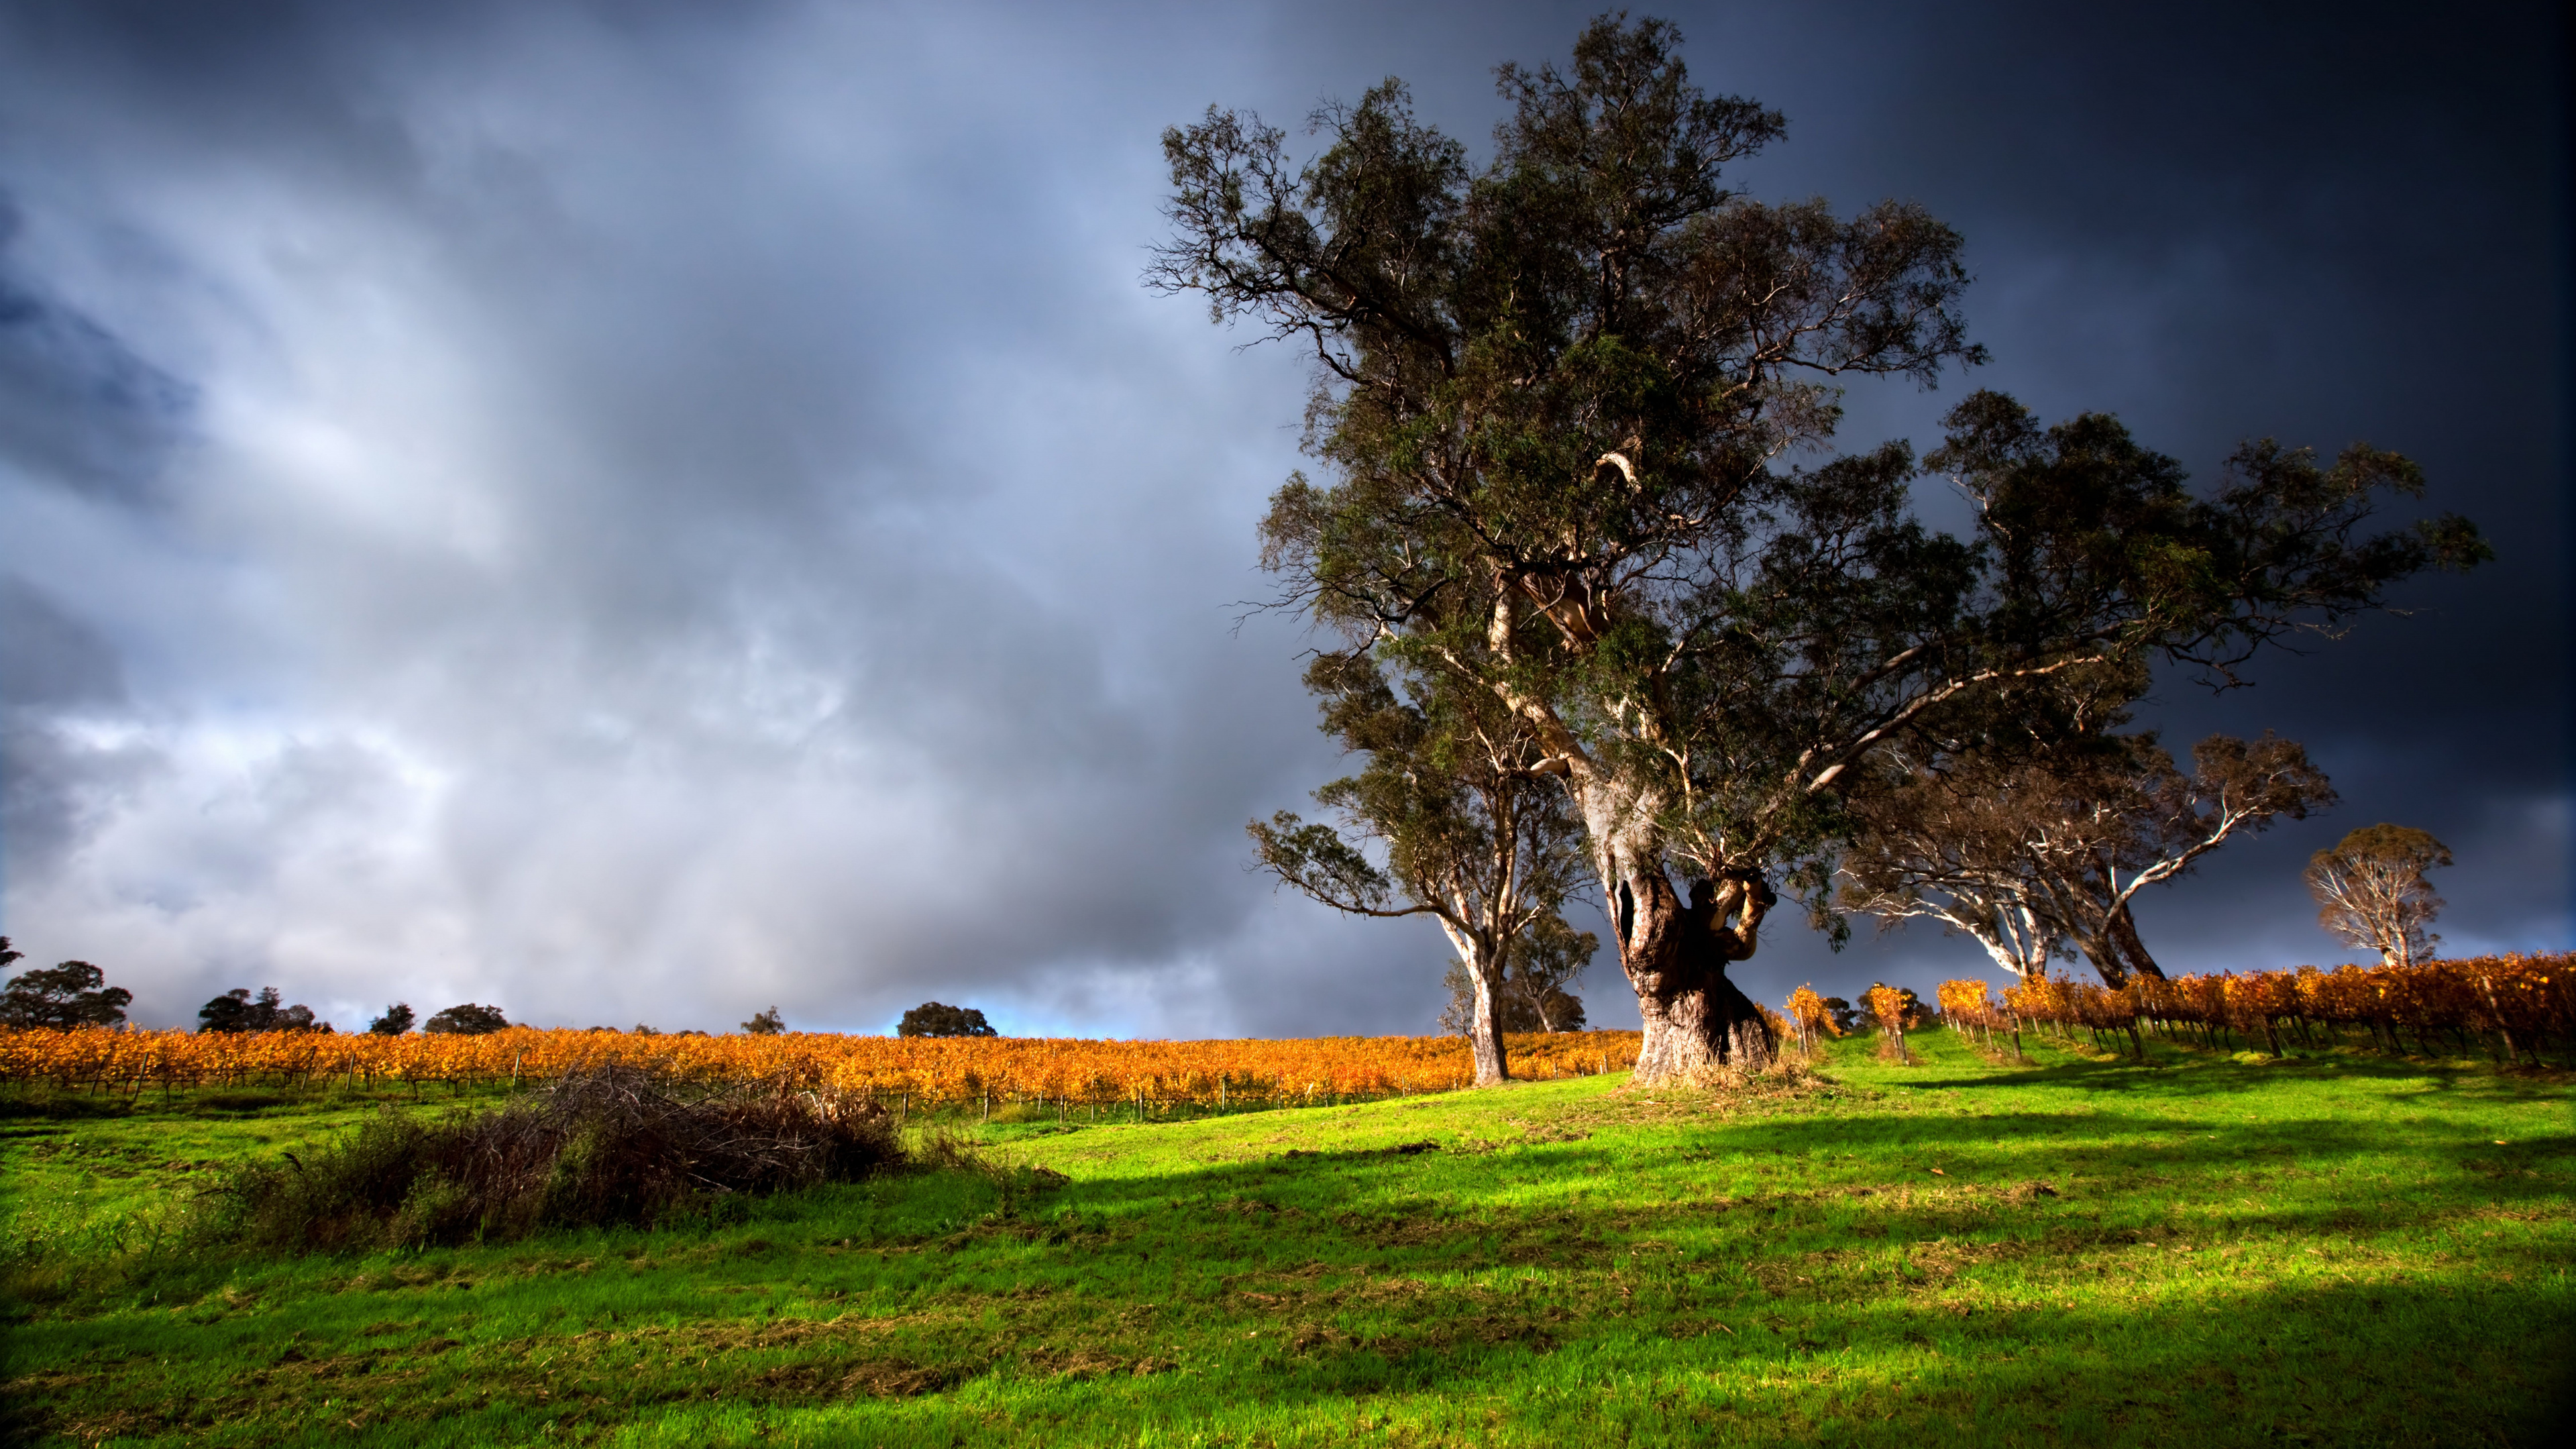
x=2511, y=1008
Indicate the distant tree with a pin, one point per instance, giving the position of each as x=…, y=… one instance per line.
x=2038, y=846
x=931, y=1018
x=238, y=1010
x=468, y=1019
x=2373, y=892
x=73, y=994
x=1546, y=961
x=766, y=1023
x=396, y=1020
x=1846, y=1016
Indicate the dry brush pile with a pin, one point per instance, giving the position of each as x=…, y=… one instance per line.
x=608, y=1145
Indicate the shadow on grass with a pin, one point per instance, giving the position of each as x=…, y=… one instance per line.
x=59, y=1107
x=2181, y=1069
x=2339, y=1363
x=1793, y=1278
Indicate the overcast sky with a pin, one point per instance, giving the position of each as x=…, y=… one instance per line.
x=642, y=512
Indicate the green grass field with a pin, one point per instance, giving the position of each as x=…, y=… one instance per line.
x=2203, y=1250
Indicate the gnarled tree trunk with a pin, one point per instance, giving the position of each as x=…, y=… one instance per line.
x=1675, y=955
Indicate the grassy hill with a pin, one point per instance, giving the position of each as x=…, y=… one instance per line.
x=2204, y=1249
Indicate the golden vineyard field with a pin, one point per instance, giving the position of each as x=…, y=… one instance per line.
x=2508, y=1006
x=926, y=1071
x=2513, y=1007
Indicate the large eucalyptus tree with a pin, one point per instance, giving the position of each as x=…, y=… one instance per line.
x=1576, y=408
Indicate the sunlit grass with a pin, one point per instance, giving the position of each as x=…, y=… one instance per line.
x=2201, y=1250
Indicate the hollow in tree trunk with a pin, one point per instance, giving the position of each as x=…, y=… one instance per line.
x=1696, y=1019
x=1675, y=955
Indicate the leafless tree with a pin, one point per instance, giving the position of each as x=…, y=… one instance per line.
x=2373, y=892
x=2044, y=855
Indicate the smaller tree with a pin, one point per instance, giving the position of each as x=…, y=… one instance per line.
x=73, y=994
x=1473, y=832
x=766, y=1023
x=238, y=1010
x=2373, y=894
x=396, y=1020
x=1545, y=963
x=934, y=1019
x=468, y=1019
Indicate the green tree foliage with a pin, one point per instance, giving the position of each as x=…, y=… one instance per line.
x=467, y=1019
x=1846, y=1016
x=931, y=1018
x=2372, y=893
x=396, y=1020
x=1471, y=832
x=72, y=994
x=766, y=1023
x=1576, y=411
x=238, y=1010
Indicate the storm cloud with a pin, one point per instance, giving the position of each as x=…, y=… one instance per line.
x=648, y=512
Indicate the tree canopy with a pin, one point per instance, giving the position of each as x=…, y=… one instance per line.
x=238, y=1010
x=467, y=1019
x=72, y=994
x=933, y=1018
x=2372, y=893
x=2033, y=828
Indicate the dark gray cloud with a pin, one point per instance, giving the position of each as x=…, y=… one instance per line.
x=77, y=407
x=57, y=779
x=661, y=510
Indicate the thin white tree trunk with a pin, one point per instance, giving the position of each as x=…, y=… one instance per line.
x=1485, y=1028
